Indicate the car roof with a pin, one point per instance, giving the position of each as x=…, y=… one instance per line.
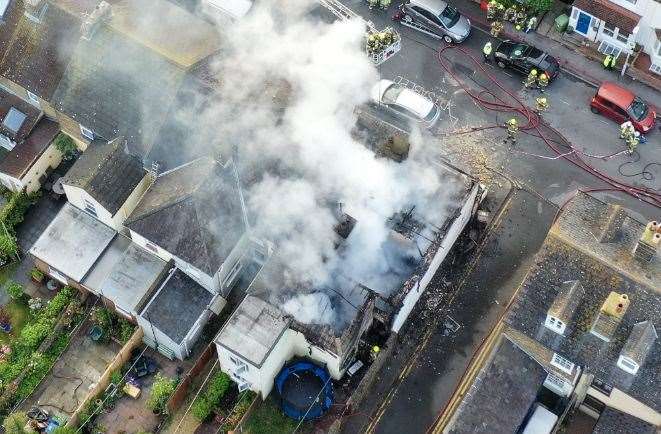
x=433, y=6
x=415, y=102
x=616, y=94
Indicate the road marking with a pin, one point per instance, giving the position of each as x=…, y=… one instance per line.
x=563, y=101
x=604, y=122
x=498, y=219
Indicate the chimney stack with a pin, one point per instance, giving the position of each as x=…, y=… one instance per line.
x=100, y=12
x=648, y=244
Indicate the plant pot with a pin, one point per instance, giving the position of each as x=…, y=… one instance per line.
x=37, y=281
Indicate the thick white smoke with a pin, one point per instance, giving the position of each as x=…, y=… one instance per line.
x=297, y=150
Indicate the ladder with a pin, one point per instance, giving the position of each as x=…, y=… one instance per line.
x=344, y=13
x=419, y=27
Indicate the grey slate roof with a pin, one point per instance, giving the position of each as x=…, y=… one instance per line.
x=73, y=242
x=253, y=330
x=614, y=421
x=502, y=394
x=107, y=173
x=177, y=305
x=117, y=87
x=640, y=342
x=194, y=212
x=569, y=253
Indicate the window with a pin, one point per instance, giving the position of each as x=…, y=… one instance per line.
x=561, y=363
x=657, y=47
x=554, y=324
x=606, y=48
x=574, y=13
x=628, y=365
x=633, y=2
x=87, y=133
x=90, y=208
x=609, y=30
x=622, y=36
x=556, y=384
x=6, y=89
x=655, y=68
x=34, y=99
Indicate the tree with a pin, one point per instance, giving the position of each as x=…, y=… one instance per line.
x=539, y=6
x=66, y=146
x=16, y=423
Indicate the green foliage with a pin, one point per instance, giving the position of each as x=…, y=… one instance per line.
x=116, y=377
x=126, y=330
x=8, y=245
x=37, y=274
x=66, y=146
x=240, y=408
x=33, y=334
x=539, y=6
x=161, y=391
x=64, y=430
x=14, y=211
x=15, y=424
x=206, y=402
x=14, y=289
x=267, y=418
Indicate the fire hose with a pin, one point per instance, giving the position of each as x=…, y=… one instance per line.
x=533, y=126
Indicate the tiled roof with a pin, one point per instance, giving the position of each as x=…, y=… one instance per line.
x=607, y=11
x=22, y=157
x=9, y=101
x=116, y=87
x=193, y=212
x=35, y=55
x=107, y=173
x=612, y=421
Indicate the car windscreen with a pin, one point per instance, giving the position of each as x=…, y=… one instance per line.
x=638, y=109
x=432, y=113
x=391, y=94
x=449, y=16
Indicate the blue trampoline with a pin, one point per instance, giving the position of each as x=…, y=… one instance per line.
x=305, y=390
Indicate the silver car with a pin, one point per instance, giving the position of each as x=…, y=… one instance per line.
x=435, y=18
x=405, y=102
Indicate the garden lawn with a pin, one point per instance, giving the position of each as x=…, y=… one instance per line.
x=267, y=418
x=18, y=312
x=7, y=272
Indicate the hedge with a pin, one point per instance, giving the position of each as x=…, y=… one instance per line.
x=206, y=402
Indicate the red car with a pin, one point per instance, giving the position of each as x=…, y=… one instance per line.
x=621, y=105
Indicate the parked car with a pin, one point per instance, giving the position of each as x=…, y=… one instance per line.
x=405, y=102
x=622, y=105
x=523, y=58
x=436, y=18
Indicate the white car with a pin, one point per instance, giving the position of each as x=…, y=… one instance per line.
x=405, y=102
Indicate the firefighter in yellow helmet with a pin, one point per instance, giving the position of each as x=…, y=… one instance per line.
x=486, y=50
x=512, y=130
x=531, y=79
x=632, y=141
x=542, y=104
x=543, y=81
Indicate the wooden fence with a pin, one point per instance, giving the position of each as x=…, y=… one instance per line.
x=180, y=393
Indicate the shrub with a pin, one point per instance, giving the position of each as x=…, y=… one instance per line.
x=209, y=400
x=539, y=6
x=64, y=430
x=66, y=146
x=37, y=274
x=14, y=289
x=161, y=391
x=15, y=424
x=33, y=334
x=126, y=330
x=8, y=246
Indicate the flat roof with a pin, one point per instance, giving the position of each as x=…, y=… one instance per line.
x=177, y=305
x=106, y=262
x=73, y=242
x=253, y=330
x=133, y=278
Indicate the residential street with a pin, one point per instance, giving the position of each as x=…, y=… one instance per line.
x=417, y=383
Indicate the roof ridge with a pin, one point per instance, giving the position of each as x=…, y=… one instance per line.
x=131, y=220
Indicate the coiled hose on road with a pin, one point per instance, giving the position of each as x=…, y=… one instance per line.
x=534, y=125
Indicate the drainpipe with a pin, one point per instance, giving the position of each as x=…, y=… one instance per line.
x=631, y=45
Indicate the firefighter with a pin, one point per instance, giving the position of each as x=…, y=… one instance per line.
x=486, y=50
x=632, y=141
x=542, y=104
x=531, y=79
x=375, y=352
x=385, y=38
x=543, y=81
x=373, y=3
x=520, y=18
x=373, y=43
x=496, y=28
x=532, y=24
x=609, y=62
x=626, y=130
x=512, y=130
x=510, y=14
x=385, y=4
x=492, y=8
